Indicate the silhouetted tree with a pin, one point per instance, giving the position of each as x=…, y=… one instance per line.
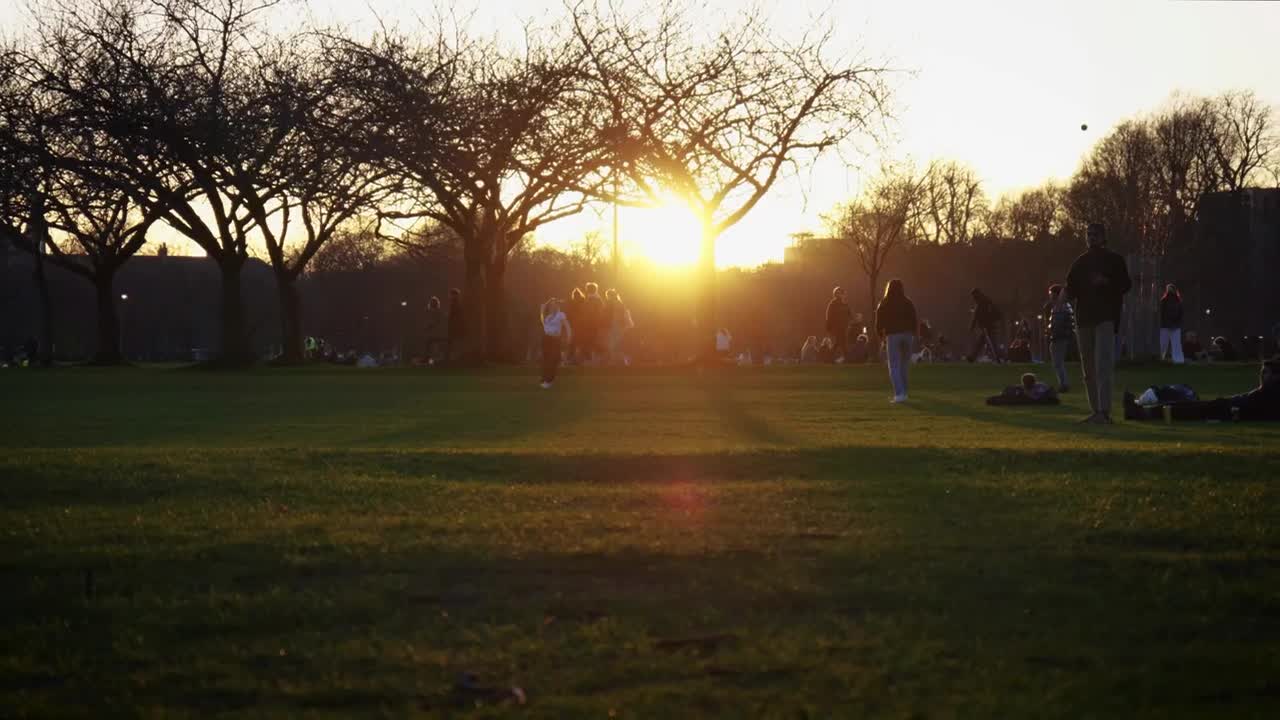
x=953, y=202
x=1244, y=140
x=495, y=144
x=717, y=121
x=170, y=83
x=879, y=221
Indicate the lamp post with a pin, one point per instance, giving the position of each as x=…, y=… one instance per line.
x=404, y=314
x=124, y=300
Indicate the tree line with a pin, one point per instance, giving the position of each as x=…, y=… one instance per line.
x=1145, y=179
x=118, y=117
x=315, y=150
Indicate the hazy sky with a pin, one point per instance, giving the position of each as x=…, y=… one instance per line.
x=1000, y=85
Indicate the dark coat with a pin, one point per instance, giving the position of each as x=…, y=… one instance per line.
x=1096, y=286
x=457, y=323
x=985, y=314
x=1170, y=312
x=838, y=316
x=896, y=315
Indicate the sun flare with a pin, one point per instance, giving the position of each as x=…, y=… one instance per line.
x=668, y=235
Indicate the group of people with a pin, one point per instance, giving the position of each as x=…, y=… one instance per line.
x=587, y=327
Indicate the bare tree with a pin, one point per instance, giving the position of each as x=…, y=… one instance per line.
x=315, y=182
x=1030, y=216
x=953, y=202
x=1244, y=141
x=879, y=221
x=493, y=143
x=717, y=118
x=1116, y=185
x=166, y=81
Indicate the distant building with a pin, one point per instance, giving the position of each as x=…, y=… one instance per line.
x=1237, y=263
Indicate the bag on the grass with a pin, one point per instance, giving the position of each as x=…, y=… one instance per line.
x=1166, y=394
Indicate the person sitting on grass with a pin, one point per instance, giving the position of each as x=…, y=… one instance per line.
x=1260, y=404
x=809, y=351
x=1029, y=392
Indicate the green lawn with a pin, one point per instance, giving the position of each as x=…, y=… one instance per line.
x=773, y=542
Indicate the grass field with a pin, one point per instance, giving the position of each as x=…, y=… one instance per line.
x=775, y=542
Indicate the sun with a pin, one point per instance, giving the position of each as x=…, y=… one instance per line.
x=669, y=234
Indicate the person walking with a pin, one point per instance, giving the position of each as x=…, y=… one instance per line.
x=1171, y=324
x=1096, y=286
x=897, y=324
x=555, y=329
x=1061, y=331
x=456, y=332
x=837, y=322
x=984, y=325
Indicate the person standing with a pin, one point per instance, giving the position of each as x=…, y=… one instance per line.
x=619, y=323
x=593, y=321
x=984, y=325
x=1096, y=285
x=1061, y=331
x=897, y=324
x=1171, y=324
x=837, y=325
x=435, y=330
x=574, y=310
x=457, y=330
x=555, y=329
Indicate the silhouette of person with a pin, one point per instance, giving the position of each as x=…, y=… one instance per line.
x=837, y=321
x=1096, y=285
x=897, y=324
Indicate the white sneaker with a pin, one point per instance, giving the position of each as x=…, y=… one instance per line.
x=546, y=386
x=898, y=399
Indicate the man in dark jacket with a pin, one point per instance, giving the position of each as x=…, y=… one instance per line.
x=985, y=326
x=837, y=324
x=1260, y=404
x=1096, y=285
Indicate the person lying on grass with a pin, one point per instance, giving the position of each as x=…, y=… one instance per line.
x=1260, y=404
x=1030, y=392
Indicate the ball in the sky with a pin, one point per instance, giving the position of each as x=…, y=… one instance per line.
x=1084, y=126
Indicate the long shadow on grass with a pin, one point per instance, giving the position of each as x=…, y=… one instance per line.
x=52, y=481
x=956, y=588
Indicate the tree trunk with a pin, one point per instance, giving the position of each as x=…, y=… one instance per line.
x=235, y=350
x=708, y=311
x=473, y=312
x=110, y=341
x=46, y=309
x=496, y=345
x=291, y=351
x=873, y=281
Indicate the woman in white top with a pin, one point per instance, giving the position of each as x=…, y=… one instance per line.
x=555, y=329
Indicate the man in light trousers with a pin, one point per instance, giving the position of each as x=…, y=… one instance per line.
x=1096, y=285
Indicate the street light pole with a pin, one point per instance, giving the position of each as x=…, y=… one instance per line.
x=124, y=299
x=404, y=307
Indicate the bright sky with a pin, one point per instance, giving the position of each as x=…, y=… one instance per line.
x=1002, y=85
